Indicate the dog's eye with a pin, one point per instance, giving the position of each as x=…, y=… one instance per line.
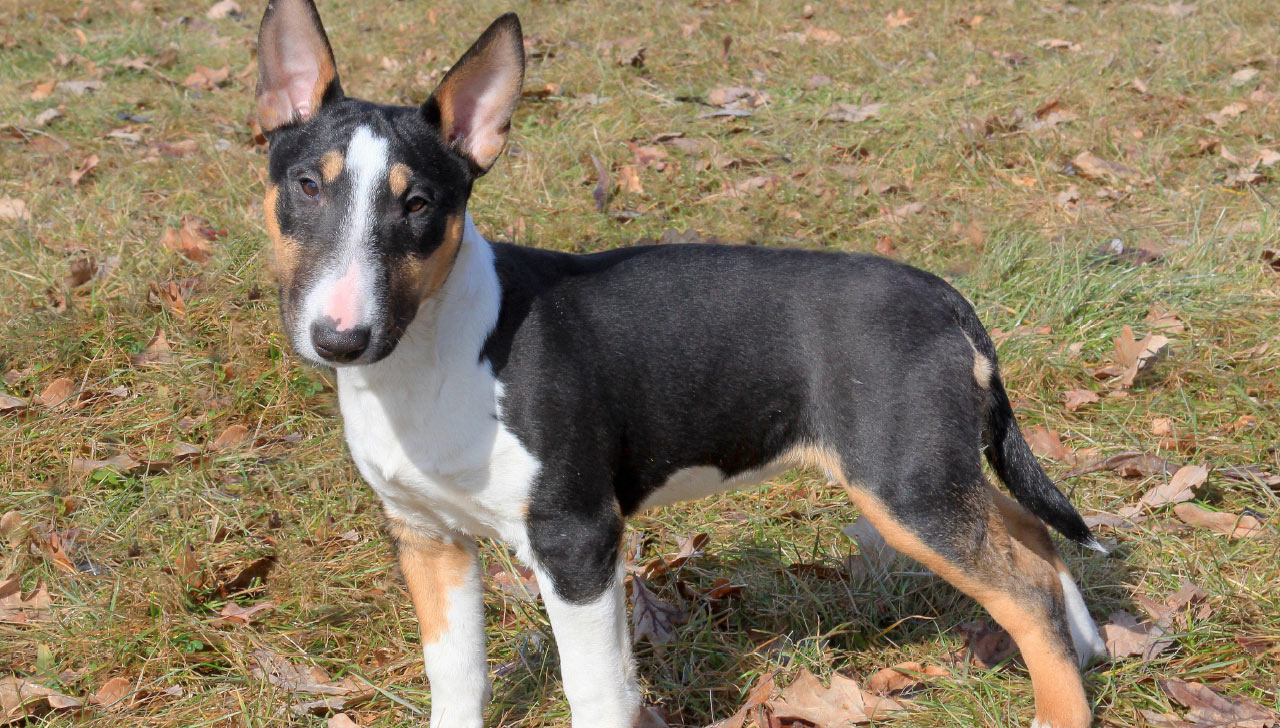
x=415, y=204
x=309, y=187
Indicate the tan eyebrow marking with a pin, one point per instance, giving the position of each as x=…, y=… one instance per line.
x=399, y=178
x=331, y=165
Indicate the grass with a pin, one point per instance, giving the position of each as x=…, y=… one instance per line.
x=956, y=134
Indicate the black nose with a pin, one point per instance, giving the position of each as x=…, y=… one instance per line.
x=339, y=346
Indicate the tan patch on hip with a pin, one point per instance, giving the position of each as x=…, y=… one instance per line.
x=399, y=178
x=331, y=165
x=432, y=569
x=816, y=456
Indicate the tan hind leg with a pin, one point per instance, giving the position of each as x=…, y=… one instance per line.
x=1032, y=533
x=1014, y=573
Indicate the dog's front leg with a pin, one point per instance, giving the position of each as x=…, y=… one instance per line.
x=580, y=577
x=443, y=577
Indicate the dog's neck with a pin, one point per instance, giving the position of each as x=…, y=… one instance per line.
x=450, y=328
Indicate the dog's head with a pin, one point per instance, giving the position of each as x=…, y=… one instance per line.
x=366, y=203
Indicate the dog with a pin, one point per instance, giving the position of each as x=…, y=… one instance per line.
x=541, y=398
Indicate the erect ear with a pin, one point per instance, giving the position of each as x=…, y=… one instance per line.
x=296, y=73
x=472, y=106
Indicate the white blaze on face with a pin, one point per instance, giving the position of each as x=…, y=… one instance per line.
x=345, y=293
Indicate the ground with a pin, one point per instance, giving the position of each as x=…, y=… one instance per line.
x=1012, y=147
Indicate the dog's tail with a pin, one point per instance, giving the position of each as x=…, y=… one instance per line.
x=1008, y=452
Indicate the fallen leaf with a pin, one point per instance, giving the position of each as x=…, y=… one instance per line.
x=1057, y=44
x=523, y=584
x=1243, y=76
x=21, y=699
x=903, y=677
x=1091, y=166
x=1181, y=487
x=1230, y=524
x=191, y=240
x=17, y=609
x=231, y=438
x=986, y=645
x=341, y=720
x=57, y=393
x=80, y=88
x=207, y=79
x=245, y=580
x=79, y=272
x=741, y=97
x=652, y=617
x=85, y=168
x=629, y=180
x=688, y=547
x=852, y=113
x=898, y=18
x=1209, y=708
x=223, y=9
x=157, y=351
x=237, y=614
x=1116, y=251
x=1223, y=116
x=12, y=208
x=1077, y=398
x=842, y=703
x=1125, y=636
x=759, y=695
x=1045, y=443
x=43, y=90
x=822, y=35
x=112, y=693
x=1166, y=321
x=122, y=463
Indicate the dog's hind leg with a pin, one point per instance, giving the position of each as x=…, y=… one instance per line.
x=958, y=532
x=443, y=577
x=1031, y=533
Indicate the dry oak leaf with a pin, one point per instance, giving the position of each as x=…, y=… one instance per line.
x=898, y=18
x=121, y=462
x=1046, y=443
x=21, y=699
x=12, y=208
x=651, y=617
x=1208, y=708
x=1230, y=524
x=1224, y=116
x=207, y=79
x=112, y=693
x=986, y=645
x=629, y=180
x=1077, y=398
x=852, y=113
x=191, y=240
x=16, y=609
x=231, y=438
x=759, y=695
x=157, y=351
x=85, y=168
x=1091, y=166
x=340, y=720
x=742, y=97
x=1125, y=636
x=1181, y=487
x=237, y=614
x=58, y=392
x=1137, y=357
x=1057, y=44
x=844, y=703
x=688, y=547
x=223, y=9
x=903, y=677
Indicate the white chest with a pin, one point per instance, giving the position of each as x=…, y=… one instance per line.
x=424, y=424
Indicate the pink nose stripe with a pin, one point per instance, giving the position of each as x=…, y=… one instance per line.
x=343, y=301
